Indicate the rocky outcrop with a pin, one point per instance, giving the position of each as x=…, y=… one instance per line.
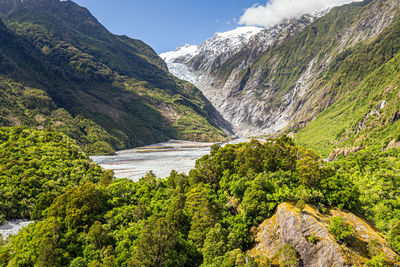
x=294, y=227
x=393, y=144
x=343, y=151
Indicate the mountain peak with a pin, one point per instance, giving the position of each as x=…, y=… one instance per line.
x=76, y=16
x=181, y=54
x=247, y=31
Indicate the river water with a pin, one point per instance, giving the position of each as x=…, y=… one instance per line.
x=12, y=227
x=160, y=158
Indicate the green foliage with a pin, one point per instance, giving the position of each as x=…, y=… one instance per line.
x=215, y=244
x=340, y=229
x=312, y=238
x=233, y=258
x=153, y=247
x=377, y=261
x=257, y=203
x=376, y=175
x=108, y=92
x=394, y=237
x=36, y=167
x=205, y=218
x=360, y=78
x=287, y=256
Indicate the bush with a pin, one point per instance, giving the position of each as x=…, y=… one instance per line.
x=287, y=256
x=312, y=238
x=377, y=261
x=394, y=237
x=342, y=231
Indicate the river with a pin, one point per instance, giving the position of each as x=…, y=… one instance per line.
x=12, y=227
x=160, y=158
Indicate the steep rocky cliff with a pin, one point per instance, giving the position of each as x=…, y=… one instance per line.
x=307, y=233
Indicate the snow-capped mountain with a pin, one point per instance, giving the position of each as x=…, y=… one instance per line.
x=224, y=68
x=221, y=43
x=181, y=54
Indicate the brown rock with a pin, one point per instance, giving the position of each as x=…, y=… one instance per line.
x=393, y=144
x=343, y=151
x=290, y=226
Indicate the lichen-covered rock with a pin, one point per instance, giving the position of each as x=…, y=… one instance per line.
x=307, y=231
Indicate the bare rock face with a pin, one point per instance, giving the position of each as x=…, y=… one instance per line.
x=343, y=151
x=393, y=144
x=291, y=226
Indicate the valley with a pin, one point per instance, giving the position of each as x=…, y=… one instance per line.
x=270, y=144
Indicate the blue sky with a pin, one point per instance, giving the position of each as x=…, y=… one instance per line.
x=166, y=24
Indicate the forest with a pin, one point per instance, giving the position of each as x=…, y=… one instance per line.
x=84, y=217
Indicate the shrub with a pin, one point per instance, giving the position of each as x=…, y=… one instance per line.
x=377, y=261
x=312, y=238
x=340, y=229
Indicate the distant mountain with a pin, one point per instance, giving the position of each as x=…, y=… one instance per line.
x=214, y=51
x=106, y=91
x=311, y=76
x=203, y=66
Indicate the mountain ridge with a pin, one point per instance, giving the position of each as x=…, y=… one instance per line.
x=133, y=98
x=280, y=87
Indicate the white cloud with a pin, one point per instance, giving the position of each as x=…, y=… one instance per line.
x=275, y=11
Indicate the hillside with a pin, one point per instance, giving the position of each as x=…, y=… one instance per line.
x=361, y=92
x=287, y=74
x=106, y=91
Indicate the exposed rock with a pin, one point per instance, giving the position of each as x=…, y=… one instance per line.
x=393, y=144
x=343, y=151
x=290, y=226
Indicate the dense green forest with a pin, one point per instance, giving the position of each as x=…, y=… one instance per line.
x=205, y=218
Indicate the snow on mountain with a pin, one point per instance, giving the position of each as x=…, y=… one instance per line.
x=181, y=54
x=220, y=43
x=201, y=64
x=227, y=42
x=183, y=72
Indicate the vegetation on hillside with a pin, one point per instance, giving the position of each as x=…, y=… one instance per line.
x=367, y=115
x=205, y=217
x=38, y=166
x=113, y=92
